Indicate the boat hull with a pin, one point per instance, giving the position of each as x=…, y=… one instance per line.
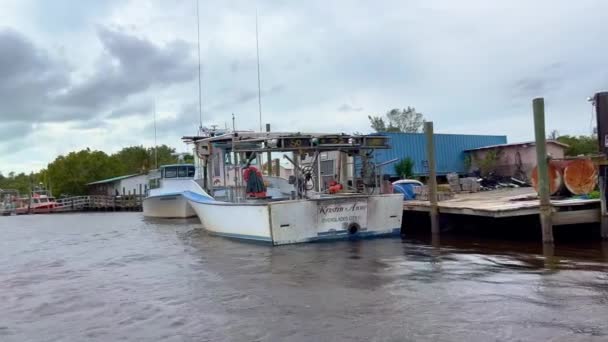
x=167, y=206
x=297, y=221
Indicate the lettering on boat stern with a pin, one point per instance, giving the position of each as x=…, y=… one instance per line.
x=340, y=215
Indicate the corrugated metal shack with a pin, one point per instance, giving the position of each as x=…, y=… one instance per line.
x=449, y=151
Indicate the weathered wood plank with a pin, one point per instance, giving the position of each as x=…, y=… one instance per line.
x=576, y=216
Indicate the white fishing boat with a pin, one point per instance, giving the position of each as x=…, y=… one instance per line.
x=165, y=199
x=306, y=207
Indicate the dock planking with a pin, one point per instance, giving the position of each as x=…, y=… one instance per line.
x=504, y=203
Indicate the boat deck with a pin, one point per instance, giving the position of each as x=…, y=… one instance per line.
x=512, y=202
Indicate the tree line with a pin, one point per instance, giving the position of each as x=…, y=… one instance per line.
x=408, y=120
x=577, y=145
x=69, y=174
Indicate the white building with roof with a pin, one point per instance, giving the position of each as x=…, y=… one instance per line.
x=135, y=184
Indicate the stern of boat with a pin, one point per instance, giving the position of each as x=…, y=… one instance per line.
x=335, y=218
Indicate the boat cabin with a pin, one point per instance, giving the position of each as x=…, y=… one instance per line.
x=225, y=161
x=168, y=177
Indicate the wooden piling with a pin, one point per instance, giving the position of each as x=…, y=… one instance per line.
x=432, y=179
x=601, y=110
x=269, y=155
x=538, y=106
x=603, y=217
x=277, y=167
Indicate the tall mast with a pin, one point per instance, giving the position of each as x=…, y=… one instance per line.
x=257, y=49
x=200, y=97
x=155, y=144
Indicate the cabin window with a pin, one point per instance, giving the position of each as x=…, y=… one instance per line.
x=182, y=171
x=191, y=171
x=216, y=165
x=327, y=167
x=170, y=172
x=228, y=158
x=36, y=200
x=43, y=200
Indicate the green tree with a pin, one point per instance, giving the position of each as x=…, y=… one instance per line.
x=21, y=182
x=138, y=159
x=581, y=145
x=70, y=174
x=377, y=123
x=405, y=168
x=406, y=120
x=165, y=155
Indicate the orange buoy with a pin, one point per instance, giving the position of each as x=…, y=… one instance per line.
x=580, y=176
x=555, y=178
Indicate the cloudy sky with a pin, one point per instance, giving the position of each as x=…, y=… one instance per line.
x=85, y=73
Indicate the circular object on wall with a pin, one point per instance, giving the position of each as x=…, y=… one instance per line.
x=580, y=176
x=555, y=178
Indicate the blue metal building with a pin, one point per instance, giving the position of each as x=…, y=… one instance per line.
x=449, y=151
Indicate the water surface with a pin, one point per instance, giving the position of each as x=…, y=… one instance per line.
x=119, y=277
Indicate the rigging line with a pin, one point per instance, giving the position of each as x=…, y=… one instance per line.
x=257, y=49
x=200, y=97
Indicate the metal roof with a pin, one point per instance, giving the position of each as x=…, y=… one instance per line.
x=114, y=179
x=449, y=150
x=531, y=143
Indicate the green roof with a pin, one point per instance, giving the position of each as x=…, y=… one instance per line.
x=173, y=165
x=110, y=180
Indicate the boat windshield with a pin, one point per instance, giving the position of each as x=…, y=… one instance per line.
x=179, y=171
x=43, y=200
x=36, y=200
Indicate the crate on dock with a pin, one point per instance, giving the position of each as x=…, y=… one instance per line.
x=469, y=184
x=422, y=194
x=454, y=182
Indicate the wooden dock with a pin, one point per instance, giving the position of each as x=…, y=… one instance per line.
x=85, y=203
x=504, y=203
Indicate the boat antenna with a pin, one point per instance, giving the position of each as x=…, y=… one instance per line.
x=200, y=97
x=155, y=144
x=257, y=49
x=233, y=126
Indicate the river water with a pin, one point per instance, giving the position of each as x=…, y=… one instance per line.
x=119, y=277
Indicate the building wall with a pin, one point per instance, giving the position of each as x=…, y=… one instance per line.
x=508, y=156
x=449, y=151
x=132, y=185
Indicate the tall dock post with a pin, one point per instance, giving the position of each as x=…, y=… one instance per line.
x=269, y=155
x=601, y=111
x=432, y=180
x=538, y=106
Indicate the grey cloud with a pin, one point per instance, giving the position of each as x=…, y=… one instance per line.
x=90, y=124
x=13, y=135
x=348, y=108
x=185, y=122
x=36, y=87
x=141, y=108
x=28, y=78
x=12, y=130
x=241, y=96
x=240, y=65
x=138, y=66
x=541, y=82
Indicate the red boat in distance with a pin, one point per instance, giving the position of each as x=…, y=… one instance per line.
x=40, y=201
